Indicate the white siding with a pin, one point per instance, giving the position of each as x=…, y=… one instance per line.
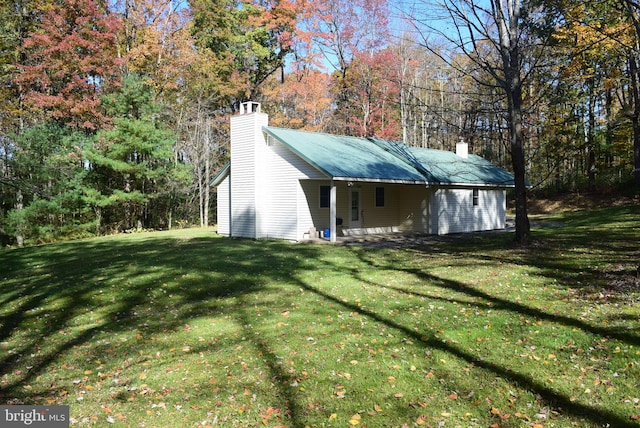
x=287, y=213
x=224, y=215
x=273, y=193
x=454, y=211
x=247, y=144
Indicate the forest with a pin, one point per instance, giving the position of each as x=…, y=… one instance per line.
x=114, y=114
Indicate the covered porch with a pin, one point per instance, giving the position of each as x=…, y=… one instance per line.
x=350, y=208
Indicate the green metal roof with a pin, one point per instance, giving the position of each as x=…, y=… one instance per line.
x=221, y=175
x=346, y=157
x=354, y=158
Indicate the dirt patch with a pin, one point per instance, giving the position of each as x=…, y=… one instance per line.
x=567, y=202
x=623, y=278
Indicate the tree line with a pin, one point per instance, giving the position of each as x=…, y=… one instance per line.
x=114, y=115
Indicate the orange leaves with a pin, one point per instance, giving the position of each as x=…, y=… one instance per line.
x=421, y=420
x=270, y=415
x=339, y=391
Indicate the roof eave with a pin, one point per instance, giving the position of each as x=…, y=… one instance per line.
x=221, y=175
x=483, y=185
x=383, y=180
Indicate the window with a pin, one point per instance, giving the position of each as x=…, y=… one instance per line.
x=475, y=197
x=379, y=196
x=325, y=196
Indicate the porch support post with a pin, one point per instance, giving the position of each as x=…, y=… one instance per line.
x=332, y=215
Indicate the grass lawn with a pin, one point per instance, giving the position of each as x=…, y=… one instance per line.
x=185, y=328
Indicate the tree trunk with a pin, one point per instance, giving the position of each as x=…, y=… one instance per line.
x=19, y=228
x=98, y=211
x=207, y=178
x=590, y=143
x=635, y=117
x=523, y=228
x=510, y=52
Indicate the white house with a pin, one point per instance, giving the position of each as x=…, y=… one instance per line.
x=284, y=184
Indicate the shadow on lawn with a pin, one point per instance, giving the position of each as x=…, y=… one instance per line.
x=130, y=281
x=429, y=339
x=59, y=298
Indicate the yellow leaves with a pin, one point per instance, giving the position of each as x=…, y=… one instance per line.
x=355, y=419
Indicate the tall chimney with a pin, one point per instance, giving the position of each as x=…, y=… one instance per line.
x=248, y=170
x=462, y=149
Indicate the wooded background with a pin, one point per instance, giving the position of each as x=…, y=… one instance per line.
x=114, y=116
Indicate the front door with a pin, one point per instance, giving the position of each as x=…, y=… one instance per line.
x=355, y=214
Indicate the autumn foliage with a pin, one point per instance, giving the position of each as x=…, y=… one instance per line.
x=362, y=67
x=70, y=61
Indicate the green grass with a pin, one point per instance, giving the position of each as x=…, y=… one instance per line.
x=185, y=328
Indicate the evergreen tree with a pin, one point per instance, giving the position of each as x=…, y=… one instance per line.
x=131, y=165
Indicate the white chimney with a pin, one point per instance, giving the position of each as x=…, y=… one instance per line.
x=248, y=171
x=249, y=107
x=462, y=149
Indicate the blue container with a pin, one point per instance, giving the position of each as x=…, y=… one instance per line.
x=327, y=233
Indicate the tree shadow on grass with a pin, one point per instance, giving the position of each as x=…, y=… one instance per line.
x=429, y=340
x=63, y=297
x=129, y=282
x=515, y=307
x=551, y=265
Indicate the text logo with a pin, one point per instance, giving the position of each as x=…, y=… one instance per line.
x=34, y=416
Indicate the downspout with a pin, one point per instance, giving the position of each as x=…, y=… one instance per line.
x=230, y=209
x=332, y=213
